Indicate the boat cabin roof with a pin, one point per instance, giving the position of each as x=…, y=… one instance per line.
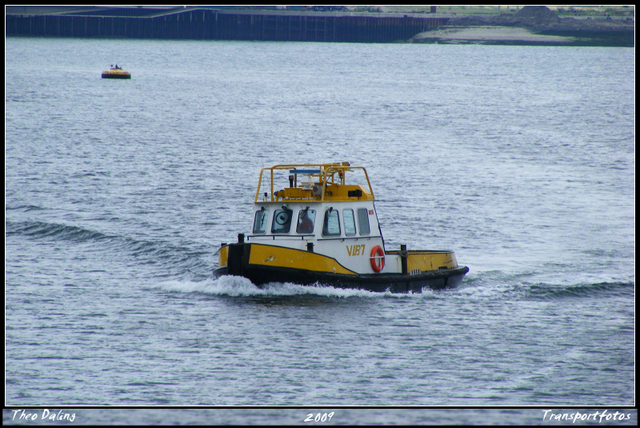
x=313, y=183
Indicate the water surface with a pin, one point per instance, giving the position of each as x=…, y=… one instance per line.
x=118, y=194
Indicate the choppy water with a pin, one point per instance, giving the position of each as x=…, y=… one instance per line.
x=118, y=194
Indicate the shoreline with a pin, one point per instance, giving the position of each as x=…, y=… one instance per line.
x=487, y=34
x=532, y=25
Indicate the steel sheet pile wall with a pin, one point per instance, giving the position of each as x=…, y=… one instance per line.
x=203, y=24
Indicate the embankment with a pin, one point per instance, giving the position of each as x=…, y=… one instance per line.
x=533, y=25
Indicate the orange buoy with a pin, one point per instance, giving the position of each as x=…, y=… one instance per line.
x=377, y=259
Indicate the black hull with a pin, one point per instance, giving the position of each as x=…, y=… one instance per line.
x=116, y=76
x=394, y=283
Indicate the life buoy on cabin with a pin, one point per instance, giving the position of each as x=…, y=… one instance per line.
x=377, y=259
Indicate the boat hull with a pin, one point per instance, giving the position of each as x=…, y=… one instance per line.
x=260, y=274
x=107, y=75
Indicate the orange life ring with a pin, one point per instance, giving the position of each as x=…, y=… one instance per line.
x=377, y=259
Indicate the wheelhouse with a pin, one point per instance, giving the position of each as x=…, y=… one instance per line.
x=319, y=203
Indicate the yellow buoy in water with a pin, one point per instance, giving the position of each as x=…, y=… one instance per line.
x=116, y=73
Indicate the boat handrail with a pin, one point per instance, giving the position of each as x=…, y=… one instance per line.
x=325, y=173
x=272, y=237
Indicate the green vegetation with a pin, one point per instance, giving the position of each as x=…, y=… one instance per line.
x=560, y=10
x=593, y=11
x=478, y=10
x=625, y=11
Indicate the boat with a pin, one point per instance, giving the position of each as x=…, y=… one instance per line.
x=321, y=228
x=116, y=73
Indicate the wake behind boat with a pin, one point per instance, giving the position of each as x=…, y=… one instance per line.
x=320, y=229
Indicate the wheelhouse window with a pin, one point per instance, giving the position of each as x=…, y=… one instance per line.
x=331, y=226
x=306, y=221
x=281, y=220
x=260, y=221
x=363, y=221
x=349, y=222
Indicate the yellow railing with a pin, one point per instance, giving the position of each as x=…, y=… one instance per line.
x=322, y=176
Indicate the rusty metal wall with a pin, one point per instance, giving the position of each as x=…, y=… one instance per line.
x=203, y=24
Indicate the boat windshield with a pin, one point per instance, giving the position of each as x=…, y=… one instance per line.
x=349, y=222
x=306, y=221
x=363, y=221
x=281, y=220
x=331, y=225
x=260, y=221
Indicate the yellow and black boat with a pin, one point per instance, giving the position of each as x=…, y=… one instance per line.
x=323, y=229
x=116, y=73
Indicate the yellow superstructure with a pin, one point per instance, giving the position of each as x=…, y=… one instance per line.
x=319, y=183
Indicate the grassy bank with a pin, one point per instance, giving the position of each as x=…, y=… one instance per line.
x=561, y=11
